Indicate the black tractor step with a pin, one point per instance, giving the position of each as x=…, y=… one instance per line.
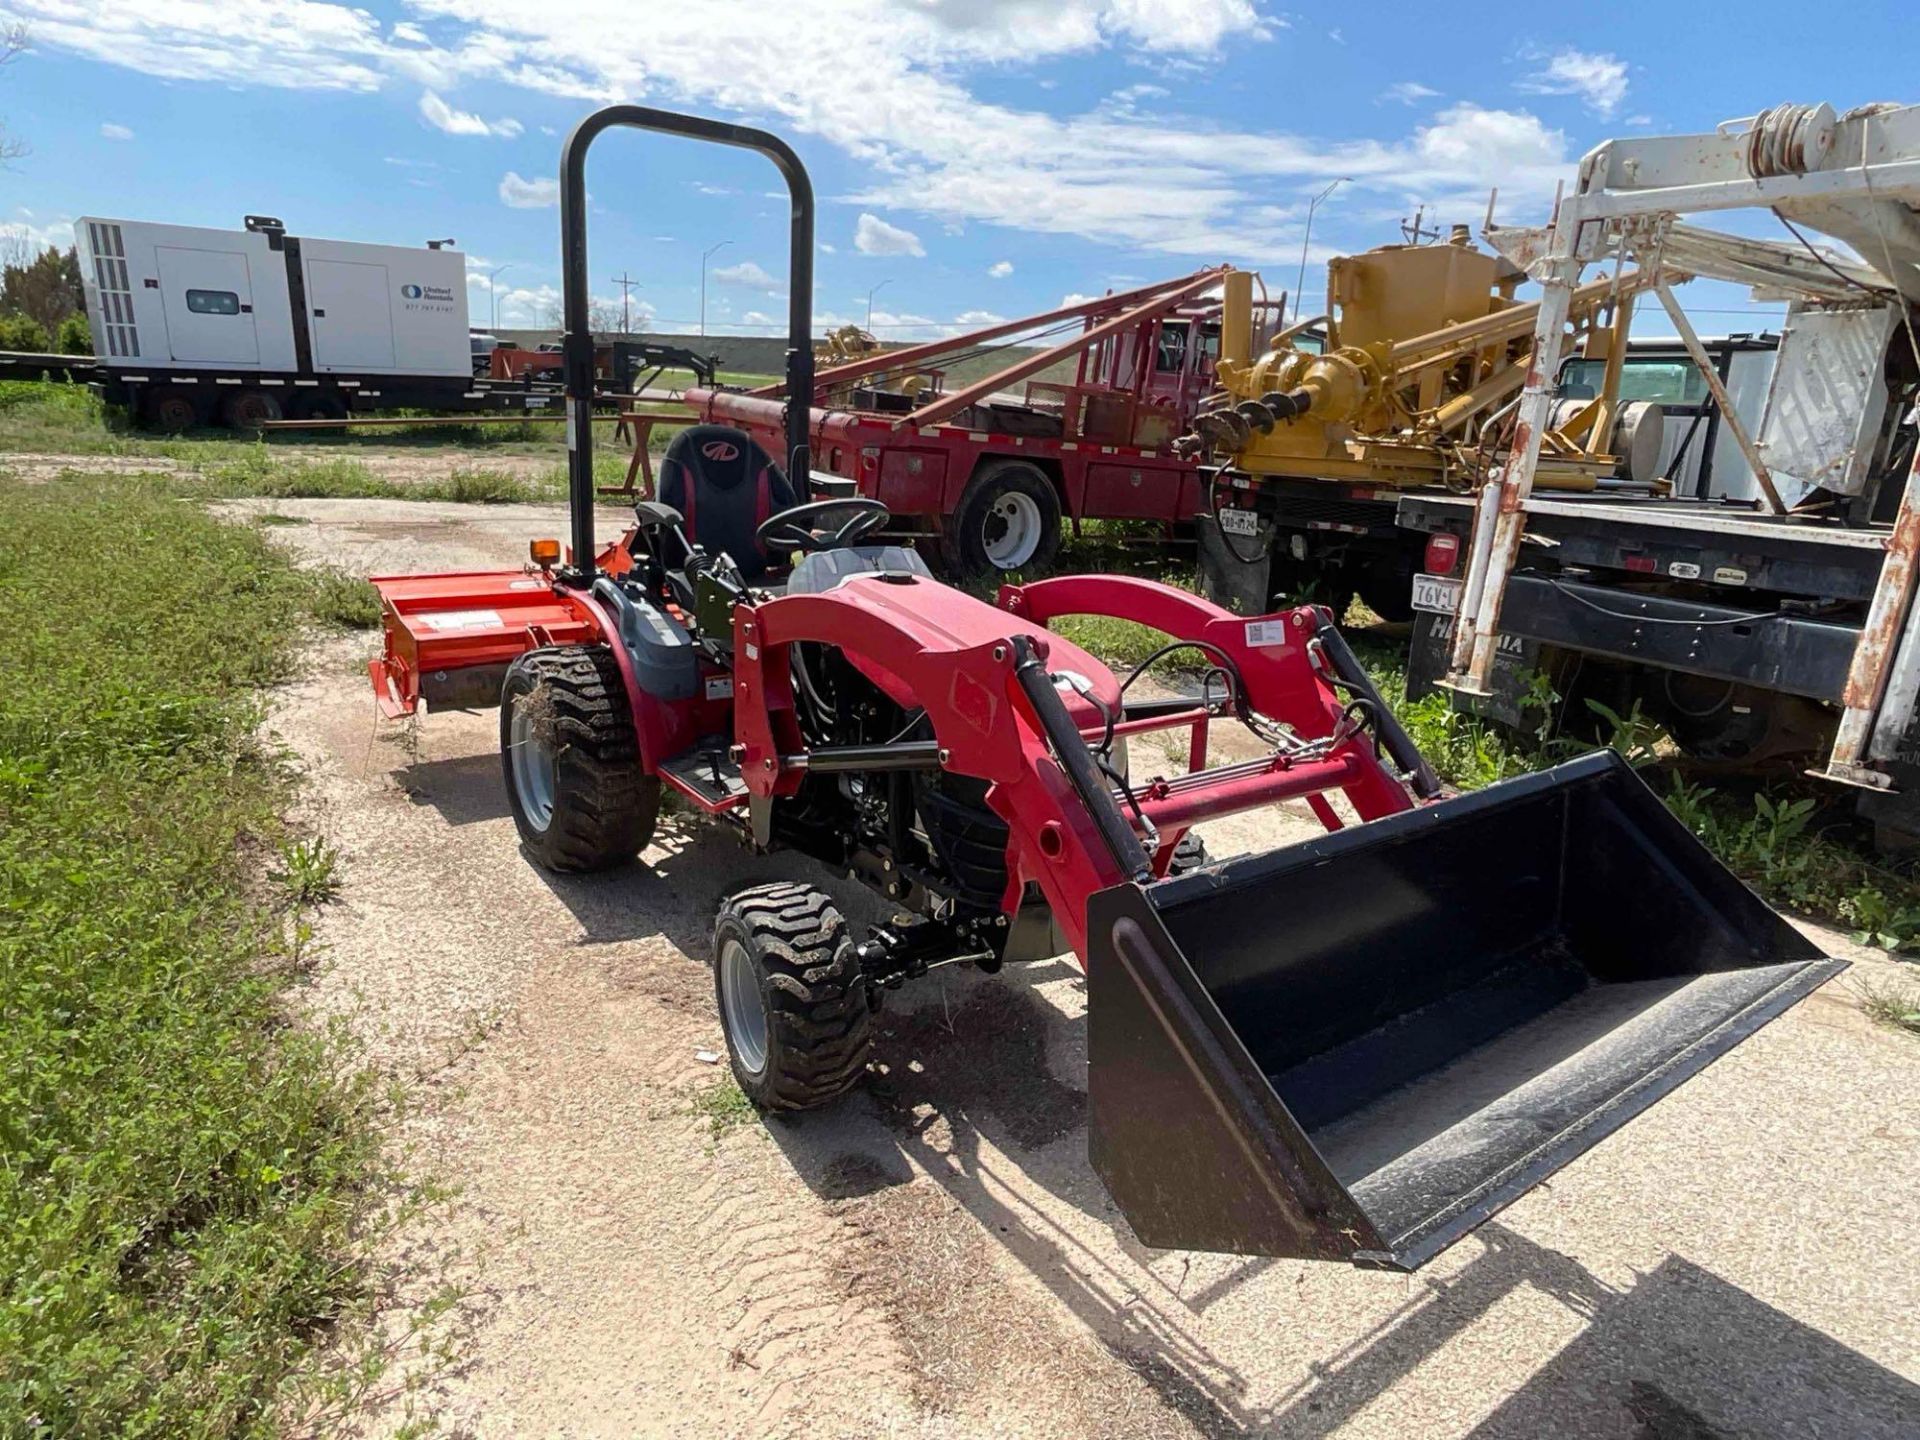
x=706, y=774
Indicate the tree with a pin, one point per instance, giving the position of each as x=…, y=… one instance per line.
x=75, y=337
x=603, y=317
x=18, y=332
x=46, y=291
x=13, y=39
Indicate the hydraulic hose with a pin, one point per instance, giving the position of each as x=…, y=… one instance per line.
x=1082, y=773
x=1393, y=735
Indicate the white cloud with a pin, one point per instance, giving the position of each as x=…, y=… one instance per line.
x=758, y=317
x=534, y=194
x=1074, y=297
x=111, y=131
x=409, y=33
x=918, y=133
x=1409, y=92
x=874, y=236
x=1000, y=269
x=57, y=235
x=748, y=276
x=1599, y=81
x=826, y=249
x=442, y=116
x=977, y=319
x=296, y=44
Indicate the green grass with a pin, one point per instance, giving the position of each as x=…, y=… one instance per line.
x=1898, y=1008
x=185, y=1176
x=672, y=379
x=723, y=1106
x=48, y=417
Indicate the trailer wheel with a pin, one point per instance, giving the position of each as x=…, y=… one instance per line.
x=250, y=409
x=171, y=411
x=571, y=760
x=321, y=405
x=1008, y=518
x=792, y=996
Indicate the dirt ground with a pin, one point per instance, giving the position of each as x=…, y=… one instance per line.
x=934, y=1257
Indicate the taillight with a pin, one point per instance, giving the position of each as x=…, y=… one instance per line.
x=1443, y=553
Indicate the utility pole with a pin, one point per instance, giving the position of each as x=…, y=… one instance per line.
x=703, y=282
x=1413, y=233
x=626, y=285
x=1312, y=205
x=870, y=294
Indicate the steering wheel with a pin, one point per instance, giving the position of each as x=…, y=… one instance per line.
x=812, y=528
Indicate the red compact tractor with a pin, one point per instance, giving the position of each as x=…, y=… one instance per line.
x=1358, y=1048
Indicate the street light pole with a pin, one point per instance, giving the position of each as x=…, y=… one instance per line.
x=870, y=294
x=493, y=295
x=703, y=283
x=1312, y=205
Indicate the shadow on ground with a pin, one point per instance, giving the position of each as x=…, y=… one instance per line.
x=967, y=1072
x=963, y=1079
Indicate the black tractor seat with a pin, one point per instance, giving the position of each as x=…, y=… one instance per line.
x=725, y=488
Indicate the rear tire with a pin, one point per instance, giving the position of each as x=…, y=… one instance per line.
x=792, y=997
x=1008, y=519
x=250, y=409
x=571, y=760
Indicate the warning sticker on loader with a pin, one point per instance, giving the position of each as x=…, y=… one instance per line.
x=462, y=620
x=1266, y=632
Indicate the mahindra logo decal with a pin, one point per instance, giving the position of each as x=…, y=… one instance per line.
x=720, y=451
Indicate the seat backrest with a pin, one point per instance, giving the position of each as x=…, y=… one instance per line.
x=727, y=487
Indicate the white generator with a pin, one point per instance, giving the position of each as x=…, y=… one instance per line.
x=186, y=320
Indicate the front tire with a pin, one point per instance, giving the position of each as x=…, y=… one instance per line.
x=571, y=760
x=1008, y=519
x=792, y=998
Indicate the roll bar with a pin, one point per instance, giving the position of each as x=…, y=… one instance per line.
x=577, y=339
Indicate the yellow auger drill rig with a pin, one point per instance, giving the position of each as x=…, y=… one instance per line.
x=1411, y=378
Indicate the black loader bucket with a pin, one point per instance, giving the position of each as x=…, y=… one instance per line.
x=1363, y=1046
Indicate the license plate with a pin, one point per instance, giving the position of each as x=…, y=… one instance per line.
x=1239, y=522
x=1436, y=593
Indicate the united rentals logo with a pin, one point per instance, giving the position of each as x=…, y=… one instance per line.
x=720, y=451
x=438, y=298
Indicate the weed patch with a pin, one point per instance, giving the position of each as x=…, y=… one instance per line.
x=185, y=1178
x=723, y=1106
x=1898, y=1008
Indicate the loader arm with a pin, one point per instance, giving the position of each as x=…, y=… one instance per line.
x=986, y=679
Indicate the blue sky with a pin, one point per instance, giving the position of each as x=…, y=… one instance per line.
x=974, y=158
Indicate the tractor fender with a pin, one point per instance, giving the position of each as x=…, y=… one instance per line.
x=663, y=726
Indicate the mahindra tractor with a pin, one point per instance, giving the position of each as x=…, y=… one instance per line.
x=1358, y=1047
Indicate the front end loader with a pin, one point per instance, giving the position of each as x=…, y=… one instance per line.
x=1355, y=1048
